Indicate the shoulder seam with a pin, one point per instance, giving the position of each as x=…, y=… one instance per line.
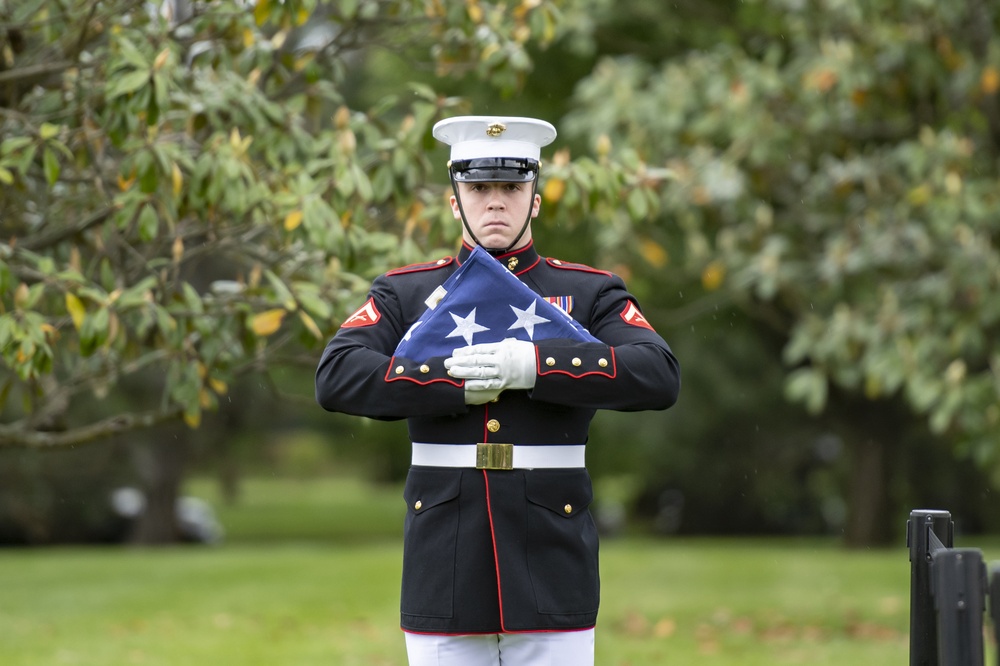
x=427, y=266
x=565, y=265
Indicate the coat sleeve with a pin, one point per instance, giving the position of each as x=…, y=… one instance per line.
x=359, y=375
x=631, y=369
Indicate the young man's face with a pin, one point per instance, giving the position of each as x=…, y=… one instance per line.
x=496, y=212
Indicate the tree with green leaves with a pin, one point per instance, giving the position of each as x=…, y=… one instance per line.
x=833, y=172
x=193, y=192
x=197, y=191
x=188, y=194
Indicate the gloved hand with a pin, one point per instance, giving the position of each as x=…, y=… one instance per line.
x=494, y=366
x=480, y=396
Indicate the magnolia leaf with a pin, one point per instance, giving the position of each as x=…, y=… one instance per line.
x=281, y=291
x=21, y=295
x=293, y=220
x=638, y=206
x=807, y=386
x=268, y=322
x=48, y=131
x=149, y=223
x=554, y=190
x=128, y=83
x=51, y=163
x=177, y=179
x=205, y=399
x=76, y=309
x=262, y=11
x=310, y=325
x=13, y=144
x=713, y=275
x=192, y=417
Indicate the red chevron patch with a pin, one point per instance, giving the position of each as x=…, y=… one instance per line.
x=631, y=315
x=366, y=315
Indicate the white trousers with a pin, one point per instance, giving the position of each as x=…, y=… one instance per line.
x=555, y=648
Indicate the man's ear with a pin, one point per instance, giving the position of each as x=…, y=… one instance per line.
x=536, y=206
x=454, y=207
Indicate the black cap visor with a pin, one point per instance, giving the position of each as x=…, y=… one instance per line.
x=494, y=170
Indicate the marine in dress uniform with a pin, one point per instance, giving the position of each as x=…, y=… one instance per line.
x=500, y=548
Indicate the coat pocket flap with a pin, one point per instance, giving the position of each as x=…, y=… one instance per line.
x=427, y=488
x=564, y=493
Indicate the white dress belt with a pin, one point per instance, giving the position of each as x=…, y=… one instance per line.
x=499, y=456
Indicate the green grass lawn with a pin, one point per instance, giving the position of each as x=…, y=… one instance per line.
x=335, y=601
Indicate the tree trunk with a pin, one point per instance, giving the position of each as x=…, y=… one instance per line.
x=867, y=500
x=229, y=471
x=871, y=436
x=160, y=463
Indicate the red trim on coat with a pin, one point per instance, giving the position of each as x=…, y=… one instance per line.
x=501, y=257
x=496, y=557
x=390, y=377
x=614, y=369
x=531, y=242
x=528, y=268
x=559, y=263
x=586, y=374
x=496, y=633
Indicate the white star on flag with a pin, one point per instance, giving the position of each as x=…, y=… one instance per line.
x=466, y=327
x=410, y=331
x=482, y=282
x=527, y=319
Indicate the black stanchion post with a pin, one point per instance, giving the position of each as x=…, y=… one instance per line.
x=995, y=605
x=927, y=530
x=960, y=597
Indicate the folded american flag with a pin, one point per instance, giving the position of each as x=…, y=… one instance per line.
x=484, y=302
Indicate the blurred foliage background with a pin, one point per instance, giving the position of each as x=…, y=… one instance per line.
x=804, y=197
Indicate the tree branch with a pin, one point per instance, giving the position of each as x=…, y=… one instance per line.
x=34, y=71
x=14, y=437
x=58, y=235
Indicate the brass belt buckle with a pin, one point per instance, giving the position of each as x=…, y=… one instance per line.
x=494, y=456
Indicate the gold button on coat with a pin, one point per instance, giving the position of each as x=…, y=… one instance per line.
x=492, y=425
x=399, y=369
x=576, y=362
x=550, y=361
x=418, y=504
x=425, y=368
x=568, y=508
x=603, y=363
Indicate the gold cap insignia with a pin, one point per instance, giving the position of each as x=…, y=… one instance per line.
x=496, y=129
x=512, y=263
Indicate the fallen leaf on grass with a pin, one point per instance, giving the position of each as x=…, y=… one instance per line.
x=665, y=628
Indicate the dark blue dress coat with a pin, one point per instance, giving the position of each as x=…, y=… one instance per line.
x=500, y=550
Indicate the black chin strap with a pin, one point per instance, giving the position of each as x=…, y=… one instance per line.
x=495, y=251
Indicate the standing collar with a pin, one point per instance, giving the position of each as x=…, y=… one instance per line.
x=516, y=261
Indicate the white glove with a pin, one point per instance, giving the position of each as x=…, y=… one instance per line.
x=480, y=397
x=494, y=366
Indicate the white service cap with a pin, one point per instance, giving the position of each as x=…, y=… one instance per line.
x=477, y=137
